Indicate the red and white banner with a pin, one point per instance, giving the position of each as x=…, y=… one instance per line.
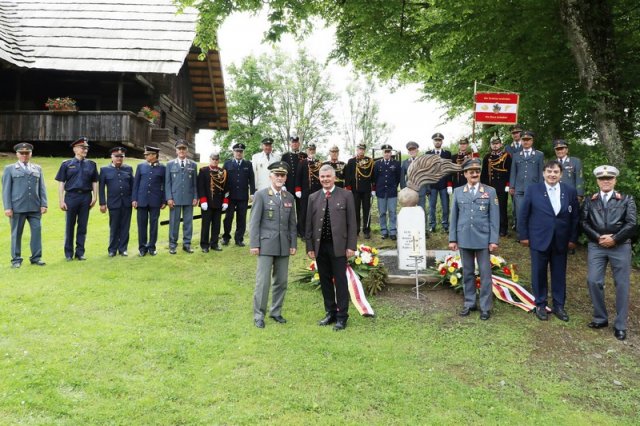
x=496, y=108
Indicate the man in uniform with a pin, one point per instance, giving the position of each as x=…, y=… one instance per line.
x=24, y=197
x=241, y=187
x=496, y=169
x=609, y=222
x=386, y=175
x=513, y=148
x=307, y=181
x=181, y=192
x=359, y=180
x=78, y=192
x=571, y=167
x=526, y=169
x=261, y=162
x=441, y=189
x=115, y=184
x=272, y=236
x=464, y=153
x=337, y=165
x=331, y=239
x=412, y=148
x=212, y=185
x=148, y=198
x=474, y=230
x=293, y=158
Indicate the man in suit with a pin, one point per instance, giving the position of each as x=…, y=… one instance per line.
x=338, y=166
x=359, y=180
x=261, y=162
x=475, y=223
x=441, y=189
x=114, y=193
x=412, y=148
x=331, y=239
x=181, y=192
x=24, y=197
x=78, y=192
x=386, y=175
x=212, y=186
x=609, y=222
x=526, y=169
x=241, y=187
x=548, y=224
x=148, y=198
x=571, y=167
x=307, y=181
x=496, y=169
x=293, y=158
x=272, y=237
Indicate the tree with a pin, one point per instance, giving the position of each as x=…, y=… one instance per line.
x=573, y=61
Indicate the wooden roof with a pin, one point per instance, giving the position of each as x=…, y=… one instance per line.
x=207, y=85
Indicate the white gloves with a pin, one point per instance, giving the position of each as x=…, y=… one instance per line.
x=299, y=194
x=506, y=188
x=449, y=190
x=474, y=147
x=204, y=206
x=373, y=193
x=224, y=206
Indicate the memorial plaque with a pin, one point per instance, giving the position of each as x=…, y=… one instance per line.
x=411, y=239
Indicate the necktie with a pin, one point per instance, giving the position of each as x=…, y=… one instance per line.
x=605, y=199
x=182, y=164
x=267, y=157
x=278, y=196
x=437, y=152
x=555, y=200
x=526, y=154
x=238, y=163
x=473, y=191
x=327, y=194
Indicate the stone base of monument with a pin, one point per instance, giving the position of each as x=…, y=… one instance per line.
x=403, y=277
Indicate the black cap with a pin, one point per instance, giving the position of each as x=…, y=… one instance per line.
x=560, y=143
x=528, y=134
x=439, y=136
x=311, y=146
x=516, y=128
x=118, y=149
x=295, y=139
x=267, y=141
x=23, y=146
x=80, y=141
x=362, y=146
x=279, y=167
x=386, y=147
x=181, y=142
x=238, y=147
x=151, y=150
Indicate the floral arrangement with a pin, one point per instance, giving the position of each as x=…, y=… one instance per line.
x=150, y=114
x=60, y=104
x=450, y=270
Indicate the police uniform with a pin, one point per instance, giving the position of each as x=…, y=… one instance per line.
x=114, y=192
x=359, y=180
x=526, y=169
x=386, y=175
x=241, y=183
x=307, y=182
x=212, y=185
x=293, y=158
x=571, y=169
x=439, y=190
x=338, y=166
x=25, y=195
x=149, y=197
x=261, y=162
x=80, y=179
x=514, y=147
x=496, y=170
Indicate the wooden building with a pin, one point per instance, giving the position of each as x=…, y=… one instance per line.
x=113, y=57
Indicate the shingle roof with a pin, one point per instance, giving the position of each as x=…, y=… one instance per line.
x=144, y=36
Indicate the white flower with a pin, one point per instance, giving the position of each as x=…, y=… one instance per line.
x=366, y=257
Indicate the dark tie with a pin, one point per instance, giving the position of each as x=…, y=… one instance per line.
x=182, y=164
x=473, y=191
x=327, y=194
x=605, y=199
x=437, y=152
x=267, y=157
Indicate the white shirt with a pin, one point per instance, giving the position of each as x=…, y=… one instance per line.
x=261, y=168
x=554, y=197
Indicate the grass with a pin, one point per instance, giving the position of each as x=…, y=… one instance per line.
x=170, y=340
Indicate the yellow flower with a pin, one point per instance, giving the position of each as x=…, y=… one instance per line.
x=453, y=280
x=374, y=251
x=316, y=276
x=376, y=260
x=494, y=260
x=451, y=269
x=358, y=261
x=514, y=278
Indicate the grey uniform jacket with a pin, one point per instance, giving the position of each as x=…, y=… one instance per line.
x=272, y=225
x=525, y=171
x=23, y=190
x=181, y=184
x=572, y=174
x=475, y=220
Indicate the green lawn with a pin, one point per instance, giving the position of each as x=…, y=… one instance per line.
x=170, y=340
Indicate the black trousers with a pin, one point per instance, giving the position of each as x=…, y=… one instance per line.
x=147, y=216
x=239, y=209
x=210, y=224
x=330, y=266
x=363, y=201
x=119, y=224
x=77, y=212
x=302, y=214
x=503, y=201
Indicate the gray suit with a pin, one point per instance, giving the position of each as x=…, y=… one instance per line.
x=181, y=186
x=24, y=192
x=524, y=172
x=272, y=229
x=475, y=223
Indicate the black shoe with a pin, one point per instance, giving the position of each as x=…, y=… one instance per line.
x=188, y=249
x=367, y=235
x=16, y=265
x=259, y=323
x=216, y=247
x=341, y=324
x=240, y=244
x=81, y=257
x=329, y=319
x=172, y=250
x=112, y=254
x=485, y=315
x=541, y=313
x=384, y=236
x=205, y=250
x=124, y=253
x=38, y=263
x=279, y=318
x=561, y=314
x=467, y=310
x=393, y=238
x=153, y=252
x=445, y=230
x=594, y=324
x=503, y=234
x=142, y=253
x=225, y=242
x=620, y=334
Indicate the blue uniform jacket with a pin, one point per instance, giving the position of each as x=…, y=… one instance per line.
x=115, y=186
x=181, y=183
x=386, y=176
x=241, y=179
x=23, y=190
x=78, y=175
x=148, y=185
x=475, y=220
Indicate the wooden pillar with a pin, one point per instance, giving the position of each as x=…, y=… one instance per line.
x=120, y=91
